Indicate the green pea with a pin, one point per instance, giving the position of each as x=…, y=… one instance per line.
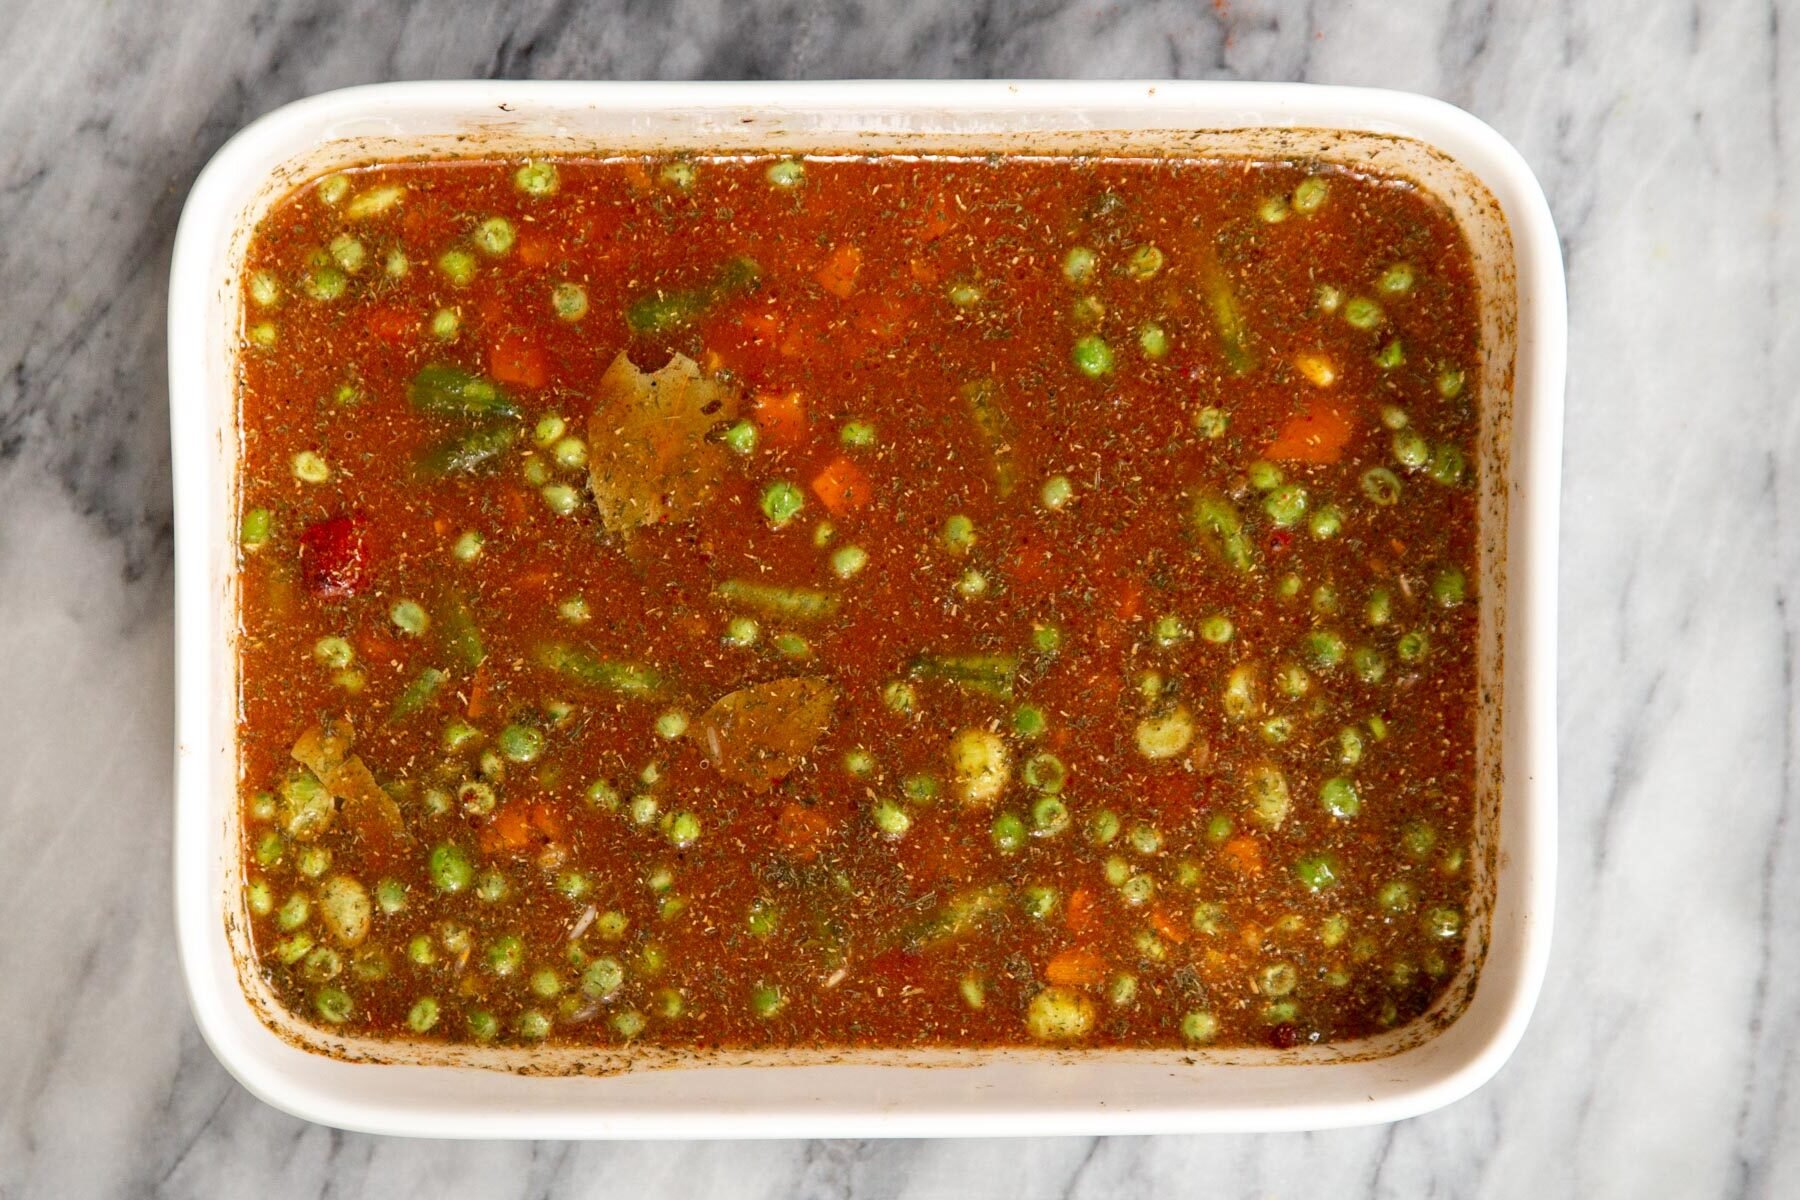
x=848, y=561
x=1397, y=280
x=1417, y=839
x=1339, y=797
x=890, y=818
x=766, y=1000
x=1211, y=422
x=506, y=954
x=1410, y=449
x=1390, y=356
x=1350, y=747
x=450, y=868
x=1327, y=521
x=1448, y=588
x=1199, y=1026
x=684, y=829
x=1449, y=382
x=671, y=724
x=1092, y=356
x=492, y=887
x=1057, y=492
x=1443, y=921
x=264, y=334
x=1412, y=646
x=1274, y=210
x=1396, y=896
x=536, y=178
x=1008, y=833
x=294, y=912
x=1285, y=504
x=324, y=283
x=1144, y=262
x=741, y=631
x=1380, y=608
x=1038, y=901
x=1219, y=828
x=1103, y=827
x=787, y=174
x=1317, y=872
x=423, y=1015
x=1078, y=264
x=1264, y=475
x=521, y=743
x=1217, y=629
x=1309, y=194
x=1153, y=340
x=1363, y=313
x=458, y=267
x=1046, y=639
x=920, y=789
x=782, y=502
x=569, y=301
x=857, y=435
x=1447, y=465
x=1368, y=663
x=1324, y=648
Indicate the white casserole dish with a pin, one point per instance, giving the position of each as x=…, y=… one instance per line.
x=484, y=1093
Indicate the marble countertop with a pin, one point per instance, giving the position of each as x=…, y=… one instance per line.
x=1664, y=1059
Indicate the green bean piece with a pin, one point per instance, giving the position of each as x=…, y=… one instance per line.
x=857, y=435
x=467, y=452
x=781, y=502
x=333, y=1004
x=626, y=678
x=661, y=311
x=1381, y=486
x=1221, y=528
x=257, y=527
x=990, y=674
x=1044, y=773
x=790, y=603
x=1228, y=317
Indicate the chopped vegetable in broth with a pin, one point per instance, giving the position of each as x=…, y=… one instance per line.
x=858, y=602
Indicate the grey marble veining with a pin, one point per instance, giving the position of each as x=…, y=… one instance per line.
x=1665, y=1056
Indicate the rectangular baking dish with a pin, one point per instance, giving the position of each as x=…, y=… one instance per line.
x=565, y=1093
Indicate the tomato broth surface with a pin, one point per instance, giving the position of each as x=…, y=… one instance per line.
x=858, y=602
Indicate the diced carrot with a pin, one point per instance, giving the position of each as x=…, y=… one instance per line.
x=764, y=323
x=1318, y=435
x=392, y=323
x=1131, y=599
x=547, y=820
x=1079, y=916
x=1075, y=966
x=884, y=317
x=637, y=175
x=938, y=221
x=1245, y=854
x=535, y=248
x=1168, y=926
x=842, y=486
x=922, y=270
x=514, y=359
x=479, y=688
x=800, y=830
x=1030, y=562
x=838, y=275
x=377, y=646
x=512, y=825
x=781, y=416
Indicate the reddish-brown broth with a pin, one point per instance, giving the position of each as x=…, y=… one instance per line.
x=885, y=290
